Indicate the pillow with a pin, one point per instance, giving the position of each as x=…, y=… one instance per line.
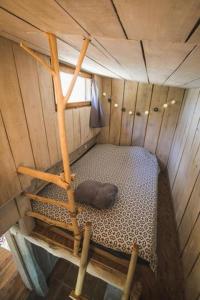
x=97, y=194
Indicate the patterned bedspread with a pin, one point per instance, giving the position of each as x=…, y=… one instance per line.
x=134, y=215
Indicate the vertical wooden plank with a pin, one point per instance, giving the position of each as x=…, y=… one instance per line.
x=9, y=181
x=190, y=216
x=116, y=110
x=13, y=112
x=106, y=106
x=192, y=249
x=69, y=129
x=189, y=167
x=142, y=105
x=86, y=131
x=28, y=79
x=159, y=97
x=169, y=123
x=77, y=128
x=190, y=100
x=49, y=112
x=9, y=215
x=130, y=93
x=192, y=283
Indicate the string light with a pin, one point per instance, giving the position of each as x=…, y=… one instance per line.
x=173, y=102
x=165, y=105
x=146, y=112
x=115, y=105
x=104, y=94
x=130, y=112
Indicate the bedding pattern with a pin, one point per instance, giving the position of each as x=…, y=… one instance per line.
x=134, y=215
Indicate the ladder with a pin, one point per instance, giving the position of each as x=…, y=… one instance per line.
x=65, y=179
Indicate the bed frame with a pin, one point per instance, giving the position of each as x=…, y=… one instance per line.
x=76, y=247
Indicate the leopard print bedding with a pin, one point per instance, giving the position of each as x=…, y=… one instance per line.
x=134, y=215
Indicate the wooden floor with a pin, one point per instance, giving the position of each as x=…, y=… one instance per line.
x=169, y=282
x=11, y=285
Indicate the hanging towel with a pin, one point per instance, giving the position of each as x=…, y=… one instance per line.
x=97, y=118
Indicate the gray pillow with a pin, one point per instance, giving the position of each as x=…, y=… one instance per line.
x=97, y=194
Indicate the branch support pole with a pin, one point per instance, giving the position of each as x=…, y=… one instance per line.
x=84, y=260
x=130, y=274
x=60, y=99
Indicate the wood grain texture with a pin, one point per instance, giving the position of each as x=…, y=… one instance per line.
x=143, y=104
x=9, y=215
x=46, y=15
x=159, y=19
x=28, y=79
x=169, y=123
x=9, y=181
x=188, y=71
x=181, y=133
x=106, y=106
x=11, y=106
x=156, y=54
x=190, y=216
x=189, y=167
x=159, y=97
x=90, y=11
x=116, y=110
x=86, y=131
x=49, y=113
x=192, y=283
x=28, y=122
x=186, y=191
x=129, y=103
x=192, y=249
x=156, y=130
x=129, y=55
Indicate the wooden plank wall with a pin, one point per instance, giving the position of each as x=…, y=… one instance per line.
x=127, y=123
x=28, y=125
x=184, y=175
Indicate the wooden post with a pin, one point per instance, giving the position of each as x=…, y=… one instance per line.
x=66, y=178
x=83, y=261
x=130, y=274
x=62, y=131
x=77, y=70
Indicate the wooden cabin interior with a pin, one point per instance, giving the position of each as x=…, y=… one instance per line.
x=95, y=95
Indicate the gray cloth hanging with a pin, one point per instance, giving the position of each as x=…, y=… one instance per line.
x=97, y=118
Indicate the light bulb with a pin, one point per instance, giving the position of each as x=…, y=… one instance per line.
x=173, y=102
x=165, y=105
x=115, y=105
x=130, y=112
x=146, y=112
x=104, y=94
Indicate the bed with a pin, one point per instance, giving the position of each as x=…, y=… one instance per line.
x=134, y=215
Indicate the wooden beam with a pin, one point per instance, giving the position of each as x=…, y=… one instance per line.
x=63, y=136
x=84, y=260
x=49, y=220
x=50, y=201
x=43, y=176
x=37, y=57
x=78, y=68
x=77, y=104
x=131, y=271
x=99, y=270
x=70, y=70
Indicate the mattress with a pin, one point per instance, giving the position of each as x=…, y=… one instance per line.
x=134, y=215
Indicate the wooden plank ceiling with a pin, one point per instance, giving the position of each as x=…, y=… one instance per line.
x=154, y=41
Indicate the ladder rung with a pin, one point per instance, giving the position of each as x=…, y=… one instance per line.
x=50, y=221
x=52, y=178
x=51, y=201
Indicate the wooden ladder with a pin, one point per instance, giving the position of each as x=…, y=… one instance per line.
x=65, y=179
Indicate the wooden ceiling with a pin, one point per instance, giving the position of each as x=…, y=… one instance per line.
x=155, y=41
